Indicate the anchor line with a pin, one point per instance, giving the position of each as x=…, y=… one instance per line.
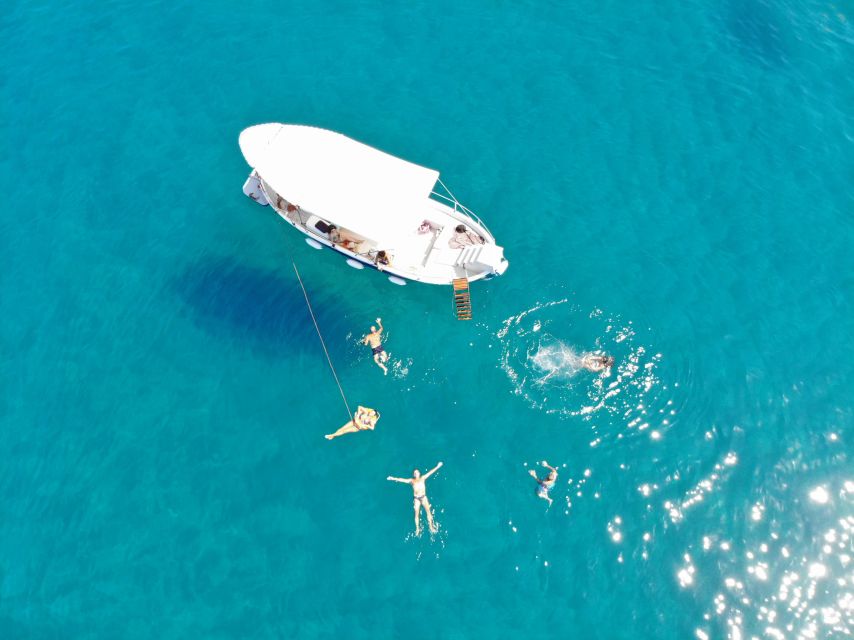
x=323, y=343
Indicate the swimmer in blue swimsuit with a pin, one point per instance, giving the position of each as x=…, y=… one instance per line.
x=419, y=497
x=545, y=485
x=375, y=341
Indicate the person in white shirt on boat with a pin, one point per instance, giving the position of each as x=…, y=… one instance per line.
x=374, y=340
x=419, y=493
x=463, y=237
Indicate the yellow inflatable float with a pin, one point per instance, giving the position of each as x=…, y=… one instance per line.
x=364, y=419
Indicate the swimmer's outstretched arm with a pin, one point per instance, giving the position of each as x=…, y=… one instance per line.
x=403, y=480
x=433, y=470
x=380, y=324
x=549, y=467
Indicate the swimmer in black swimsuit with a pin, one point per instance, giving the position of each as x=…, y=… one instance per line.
x=419, y=497
x=545, y=485
x=373, y=339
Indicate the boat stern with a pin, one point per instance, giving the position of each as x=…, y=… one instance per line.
x=487, y=259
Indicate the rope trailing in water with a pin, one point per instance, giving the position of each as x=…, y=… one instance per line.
x=323, y=343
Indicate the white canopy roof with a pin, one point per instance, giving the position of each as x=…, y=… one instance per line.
x=346, y=182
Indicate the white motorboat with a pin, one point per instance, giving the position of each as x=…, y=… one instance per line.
x=377, y=210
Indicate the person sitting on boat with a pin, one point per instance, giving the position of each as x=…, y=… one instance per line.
x=363, y=420
x=596, y=362
x=427, y=227
x=547, y=484
x=383, y=260
x=463, y=237
x=283, y=204
x=374, y=339
x=342, y=238
x=419, y=493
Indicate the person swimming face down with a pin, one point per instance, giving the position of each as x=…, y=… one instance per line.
x=595, y=363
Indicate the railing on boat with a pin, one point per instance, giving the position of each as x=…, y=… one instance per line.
x=459, y=207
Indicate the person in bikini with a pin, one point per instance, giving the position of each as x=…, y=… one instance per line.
x=463, y=237
x=547, y=484
x=342, y=238
x=363, y=420
x=374, y=340
x=419, y=497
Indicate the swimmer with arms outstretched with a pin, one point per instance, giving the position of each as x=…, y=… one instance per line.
x=419, y=493
x=547, y=484
x=596, y=363
x=374, y=340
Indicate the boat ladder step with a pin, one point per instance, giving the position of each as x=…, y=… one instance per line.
x=462, y=299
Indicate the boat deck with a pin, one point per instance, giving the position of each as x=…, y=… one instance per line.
x=424, y=255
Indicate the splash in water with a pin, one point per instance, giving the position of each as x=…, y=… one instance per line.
x=558, y=361
x=548, y=371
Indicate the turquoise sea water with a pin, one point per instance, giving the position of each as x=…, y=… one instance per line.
x=673, y=184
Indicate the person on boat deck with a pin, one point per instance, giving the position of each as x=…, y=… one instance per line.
x=374, y=340
x=547, y=484
x=419, y=493
x=342, y=238
x=596, y=363
x=383, y=260
x=363, y=420
x=281, y=203
x=463, y=237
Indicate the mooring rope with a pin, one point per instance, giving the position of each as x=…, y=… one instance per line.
x=323, y=343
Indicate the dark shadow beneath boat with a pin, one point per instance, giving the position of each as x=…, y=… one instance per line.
x=263, y=309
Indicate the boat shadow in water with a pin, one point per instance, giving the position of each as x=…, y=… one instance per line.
x=758, y=29
x=263, y=309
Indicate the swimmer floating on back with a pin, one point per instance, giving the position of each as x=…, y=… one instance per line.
x=419, y=493
x=545, y=485
x=596, y=363
x=375, y=341
x=363, y=420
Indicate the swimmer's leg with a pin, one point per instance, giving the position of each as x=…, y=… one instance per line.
x=417, y=506
x=347, y=428
x=545, y=496
x=380, y=364
x=428, y=509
